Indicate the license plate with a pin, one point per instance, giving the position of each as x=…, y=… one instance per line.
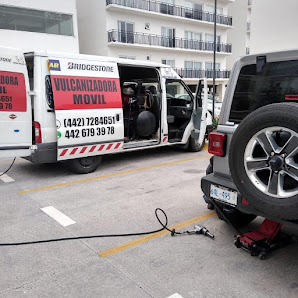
x=223, y=194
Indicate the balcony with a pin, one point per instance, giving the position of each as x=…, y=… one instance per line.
x=162, y=41
x=173, y=10
x=201, y=73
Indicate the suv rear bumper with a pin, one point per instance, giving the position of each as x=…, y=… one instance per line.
x=225, y=182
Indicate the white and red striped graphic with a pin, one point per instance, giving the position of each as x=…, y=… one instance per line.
x=91, y=150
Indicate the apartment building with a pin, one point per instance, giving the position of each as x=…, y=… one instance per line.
x=39, y=25
x=175, y=32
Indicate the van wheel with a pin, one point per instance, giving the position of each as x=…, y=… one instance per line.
x=84, y=165
x=264, y=160
x=194, y=145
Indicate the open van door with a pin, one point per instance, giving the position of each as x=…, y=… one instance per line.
x=15, y=105
x=200, y=112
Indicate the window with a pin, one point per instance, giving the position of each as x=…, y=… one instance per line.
x=193, y=10
x=167, y=6
x=168, y=37
x=168, y=62
x=210, y=38
x=276, y=82
x=129, y=3
x=148, y=58
x=193, y=40
x=210, y=42
x=210, y=9
x=23, y=19
x=125, y=32
x=193, y=69
x=209, y=66
x=193, y=35
x=127, y=57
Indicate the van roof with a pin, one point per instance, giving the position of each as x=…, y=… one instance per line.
x=95, y=58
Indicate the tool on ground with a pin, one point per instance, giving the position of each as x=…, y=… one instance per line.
x=197, y=230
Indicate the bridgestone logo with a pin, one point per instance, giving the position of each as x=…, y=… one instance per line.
x=90, y=67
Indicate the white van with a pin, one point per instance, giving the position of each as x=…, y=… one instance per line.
x=76, y=108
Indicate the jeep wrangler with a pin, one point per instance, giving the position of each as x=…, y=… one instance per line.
x=254, y=170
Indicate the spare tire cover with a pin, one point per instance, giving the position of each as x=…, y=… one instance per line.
x=263, y=160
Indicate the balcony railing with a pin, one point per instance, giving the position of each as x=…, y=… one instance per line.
x=201, y=73
x=163, y=41
x=173, y=10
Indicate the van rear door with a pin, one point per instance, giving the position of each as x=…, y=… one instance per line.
x=15, y=105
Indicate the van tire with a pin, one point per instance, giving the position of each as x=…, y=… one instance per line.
x=84, y=165
x=194, y=146
x=267, y=186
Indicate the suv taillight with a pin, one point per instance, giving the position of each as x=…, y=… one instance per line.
x=37, y=129
x=217, y=143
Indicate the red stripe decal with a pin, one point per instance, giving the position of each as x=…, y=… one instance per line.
x=84, y=149
x=117, y=146
x=291, y=97
x=164, y=139
x=73, y=151
x=101, y=147
x=92, y=149
x=63, y=152
x=109, y=147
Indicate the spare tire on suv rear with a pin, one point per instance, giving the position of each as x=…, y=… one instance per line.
x=263, y=160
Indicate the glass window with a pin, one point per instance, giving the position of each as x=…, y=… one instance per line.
x=210, y=9
x=23, y=19
x=125, y=32
x=209, y=66
x=168, y=62
x=210, y=38
x=189, y=35
x=192, y=65
x=176, y=90
x=277, y=82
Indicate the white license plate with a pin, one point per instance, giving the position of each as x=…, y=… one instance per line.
x=223, y=194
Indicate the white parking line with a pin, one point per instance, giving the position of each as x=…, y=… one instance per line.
x=176, y=295
x=58, y=216
x=6, y=178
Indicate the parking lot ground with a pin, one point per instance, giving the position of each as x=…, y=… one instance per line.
x=121, y=197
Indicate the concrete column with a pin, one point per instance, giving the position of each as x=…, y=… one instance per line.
x=221, y=89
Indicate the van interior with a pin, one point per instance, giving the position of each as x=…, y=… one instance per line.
x=142, y=101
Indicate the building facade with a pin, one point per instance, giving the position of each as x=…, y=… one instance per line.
x=39, y=25
x=175, y=32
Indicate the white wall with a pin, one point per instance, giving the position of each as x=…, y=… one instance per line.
x=237, y=36
x=274, y=25
x=29, y=41
x=92, y=21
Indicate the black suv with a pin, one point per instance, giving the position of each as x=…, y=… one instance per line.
x=254, y=170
